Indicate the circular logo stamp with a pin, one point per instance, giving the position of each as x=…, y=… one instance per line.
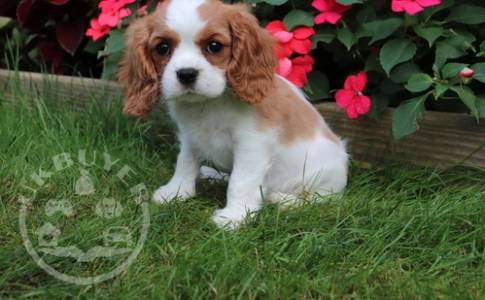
x=84, y=221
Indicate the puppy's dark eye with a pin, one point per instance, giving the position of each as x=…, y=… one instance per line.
x=163, y=49
x=214, y=47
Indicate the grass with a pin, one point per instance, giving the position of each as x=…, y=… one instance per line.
x=399, y=232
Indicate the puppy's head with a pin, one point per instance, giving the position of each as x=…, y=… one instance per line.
x=192, y=50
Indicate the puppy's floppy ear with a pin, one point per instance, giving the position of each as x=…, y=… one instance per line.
x=137, y=72
x=251, y=70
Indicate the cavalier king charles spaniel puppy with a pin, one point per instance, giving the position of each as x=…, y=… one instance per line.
x=213, y=66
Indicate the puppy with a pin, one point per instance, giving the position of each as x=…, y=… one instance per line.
x=213, y=66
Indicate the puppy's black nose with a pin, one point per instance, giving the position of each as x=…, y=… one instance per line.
x=187, y=76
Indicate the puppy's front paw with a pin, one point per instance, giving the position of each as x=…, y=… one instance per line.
x=169, y=192
x=229, y=218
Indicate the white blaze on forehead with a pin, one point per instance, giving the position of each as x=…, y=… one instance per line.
x=183, y=17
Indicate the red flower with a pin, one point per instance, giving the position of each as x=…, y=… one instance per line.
x=288, y=42
x=97, y=31
x=351, y=98
x=412, y=7
x=113, y=11
x=296, y=69
x=330, y=11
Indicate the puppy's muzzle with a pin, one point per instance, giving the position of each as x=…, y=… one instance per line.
x=187, y=76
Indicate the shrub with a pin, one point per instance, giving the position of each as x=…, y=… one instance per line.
x=366, y=54
x=48, y=30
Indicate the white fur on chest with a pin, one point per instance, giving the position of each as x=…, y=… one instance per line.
x=212, y=127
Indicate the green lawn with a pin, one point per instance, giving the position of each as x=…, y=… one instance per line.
x=398, y=232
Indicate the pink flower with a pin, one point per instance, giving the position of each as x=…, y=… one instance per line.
x=113, y=11
x=97, y=31
x=296, y=40
x=330, y=11
x=351, y=98
x=467, y=73
x=412, y=7
x=296, y=69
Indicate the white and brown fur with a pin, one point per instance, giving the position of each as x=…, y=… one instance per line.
x=239, y=114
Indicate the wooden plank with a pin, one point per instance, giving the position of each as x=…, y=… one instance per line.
x=444, y=139
x=75, y=91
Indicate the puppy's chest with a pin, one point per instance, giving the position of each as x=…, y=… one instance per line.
x=213, y=142
x=211, y=131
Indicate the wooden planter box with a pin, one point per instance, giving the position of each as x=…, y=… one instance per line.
x=444, y=139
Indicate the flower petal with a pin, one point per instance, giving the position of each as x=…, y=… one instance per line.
x=397, y=6
x=361, y=81
x=412, y=8
x=352, y=112
x=344, y=98
x=362, y=104
x=332, y=17
x=283, y=36
x=124, y=12
x=301, y=46
x=322, y=5
x=108, y=20
x=303, y=32
x=428, y=3
x=339, y=8
x=298, y=77
x=305, y=61
x=275, y=26
x=284, y=67
x=282, y=50
x=320, y=19
x=356, y=82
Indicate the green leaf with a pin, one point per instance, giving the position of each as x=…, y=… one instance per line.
x=297, y=17
x=468, y=97
x=388, y=87
x=372, y=63
x=4, y=21
x=479, y=72
x=445, y=51
x=419, y=83
x=404, y=71
x=481, y=105
x=115, y=42
x=349, y=2
x=345, y=36
x=439, y=90
x=430, y=33
x=396, y=51
x=324, y=36
x=467, y=14
x=275, y=2
x=318, y=86
x=460, y=38
x=405, y=117
x=379, y=104
x=381, y=29
x=451, y=70
x=482, y=50
x=110, y=66
x=430, y=11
